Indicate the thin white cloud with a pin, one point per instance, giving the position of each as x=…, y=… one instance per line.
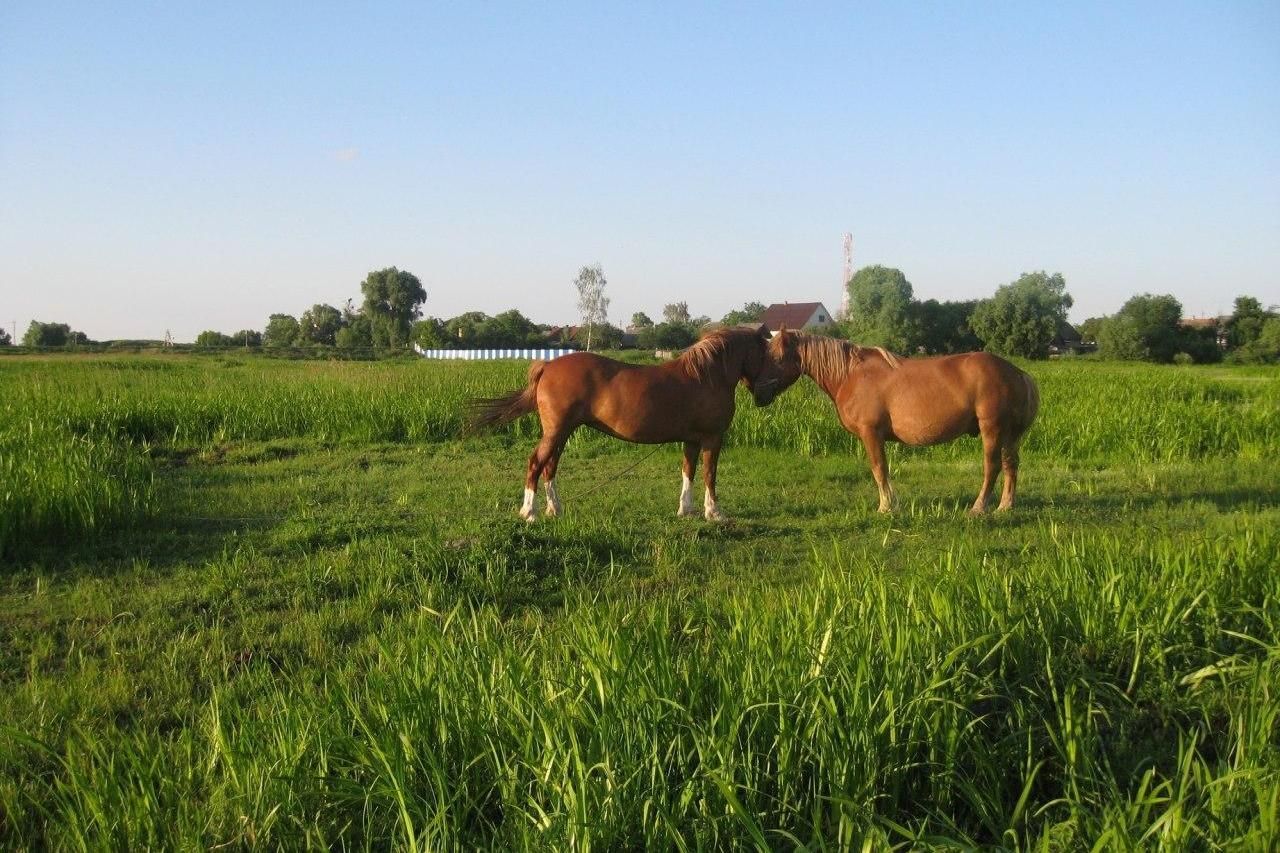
x=346, y=155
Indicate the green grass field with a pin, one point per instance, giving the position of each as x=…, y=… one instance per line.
x=258, y=604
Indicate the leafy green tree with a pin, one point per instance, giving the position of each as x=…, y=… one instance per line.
x=677, y=312
x=606, y=336
x=1264, y=349
x=466, y=331
x=319, y=324
x=5, y=339
x=429, y=333
x=829, y=330
x=750, y=312
x=511, y=329
x=46, y=335
x=1023, y=317
x=666, y=336
x=1119, y=339
x=640, y=320
x=356, y=334
x=211, y=338
x=1090, y=328
x=943, y=327
x=880, y=308
x=1200, y=345
x=1156, y=320
x=281, y=331
x=391, y=303
x=247, y=338
x=1246, y=321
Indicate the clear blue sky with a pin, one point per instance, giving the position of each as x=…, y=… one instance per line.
x=200, y=165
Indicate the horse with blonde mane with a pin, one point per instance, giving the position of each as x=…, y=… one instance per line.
x=880, y=397
x=689, y=399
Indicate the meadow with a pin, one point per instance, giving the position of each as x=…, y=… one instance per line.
x=253, y=603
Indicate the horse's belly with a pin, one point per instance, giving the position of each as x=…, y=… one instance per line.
x=927, y=431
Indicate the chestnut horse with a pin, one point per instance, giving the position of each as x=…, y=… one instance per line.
x=918, y=401
x=689, y=399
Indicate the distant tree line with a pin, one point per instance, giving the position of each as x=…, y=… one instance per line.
x=40, y=334
x=385, y=319
x=1028, y=316
x=1151, y=327
x=1022, y=318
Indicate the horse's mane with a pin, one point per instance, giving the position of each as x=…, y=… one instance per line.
x=829, y=360
x=701, y=359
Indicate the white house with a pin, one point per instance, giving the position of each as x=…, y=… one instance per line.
x=796, y=315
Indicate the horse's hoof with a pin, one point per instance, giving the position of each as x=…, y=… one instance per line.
x=686, y=512
x=529, y=517
x=977, y=511
x=716, y=516
x=553, y=511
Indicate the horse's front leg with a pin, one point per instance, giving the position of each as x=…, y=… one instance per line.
x=710, y=457
x=688, y=467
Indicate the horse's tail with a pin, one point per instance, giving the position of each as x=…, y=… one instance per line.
x=489, y=412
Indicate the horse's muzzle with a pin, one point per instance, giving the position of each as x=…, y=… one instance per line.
x=764, y=392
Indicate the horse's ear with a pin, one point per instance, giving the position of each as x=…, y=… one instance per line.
x=763, y=331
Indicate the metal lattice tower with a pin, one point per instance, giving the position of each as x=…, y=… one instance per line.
x=847, y=274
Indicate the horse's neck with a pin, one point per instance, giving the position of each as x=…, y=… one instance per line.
x=723, y=373
x=828, y=363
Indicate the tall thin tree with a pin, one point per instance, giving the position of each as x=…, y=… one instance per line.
x=593, y=305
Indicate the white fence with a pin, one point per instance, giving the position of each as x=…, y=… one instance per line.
x=490, y=354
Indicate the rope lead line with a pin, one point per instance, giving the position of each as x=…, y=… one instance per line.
x=616, y=477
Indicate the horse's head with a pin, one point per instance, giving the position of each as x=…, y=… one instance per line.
x=754, y=359
x=781, y=367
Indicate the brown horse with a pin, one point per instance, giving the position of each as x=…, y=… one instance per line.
x=689, y=400
x=918, y=401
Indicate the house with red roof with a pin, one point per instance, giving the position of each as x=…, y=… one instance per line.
x=796, y=315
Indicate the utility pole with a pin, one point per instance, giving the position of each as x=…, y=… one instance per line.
x=847, y=244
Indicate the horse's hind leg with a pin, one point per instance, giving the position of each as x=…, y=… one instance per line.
x=1009, y=466
x=545, y=458
x=874, y=445
x=688, y=467
x=536, y=461
x=554, y=507
x=558, y=440
x=990, y=464
x=710, y=458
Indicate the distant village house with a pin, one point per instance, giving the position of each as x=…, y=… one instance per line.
x=796, y=315
x=1219, y=326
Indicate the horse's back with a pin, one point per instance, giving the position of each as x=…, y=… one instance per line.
x=933, y=399
x=634, y=402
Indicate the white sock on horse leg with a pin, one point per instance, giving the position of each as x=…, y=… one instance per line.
x=553, y=499
x=527, y=511
x=711, y=508
x=686, y=496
